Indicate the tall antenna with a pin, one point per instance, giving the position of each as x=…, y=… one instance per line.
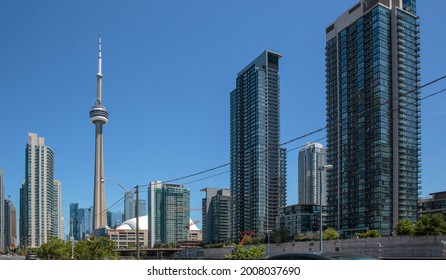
x=100, y=56
x=99, y=75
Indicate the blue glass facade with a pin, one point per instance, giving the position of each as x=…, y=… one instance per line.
x=258, y=165
x=373, y=120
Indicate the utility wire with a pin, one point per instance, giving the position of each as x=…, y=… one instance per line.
x=315, y=131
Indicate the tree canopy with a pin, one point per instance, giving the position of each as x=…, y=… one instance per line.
x=404, y=227
x=433, y=224
x=330, y=234
x=243, y=253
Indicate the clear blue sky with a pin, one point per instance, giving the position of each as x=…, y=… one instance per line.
x=168, y=68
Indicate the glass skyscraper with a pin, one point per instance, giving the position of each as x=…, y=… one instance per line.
x=81, y=221
x=373, y=116
x=258, y=164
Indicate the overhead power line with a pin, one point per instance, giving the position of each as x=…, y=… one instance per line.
x=309, y=133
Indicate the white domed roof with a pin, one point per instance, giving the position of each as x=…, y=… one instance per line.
x=131, y=224
x=144, y=224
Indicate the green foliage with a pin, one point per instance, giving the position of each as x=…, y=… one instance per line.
x=257, y=240
x=243, y=253
x=430, y=225
x=404, y=227
x=330, y=234
x=214, y=245
x=95, y=249
x=54, y=249
x=370, y=234
x=280, y=235
x=310, y=236
x=247, y=240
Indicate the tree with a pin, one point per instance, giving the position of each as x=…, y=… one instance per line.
x=404, y=227
x=243, y=253
x=247, y=239
x=433, y=224
x=95, y=249
x=54, y=249
x=330, y=234
x=370, y=234
x=280, y=235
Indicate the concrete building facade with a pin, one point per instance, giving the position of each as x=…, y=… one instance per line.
x=311, y=157
x=36, y=194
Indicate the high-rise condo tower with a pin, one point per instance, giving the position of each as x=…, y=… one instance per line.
x=373, y=116
x=258, y=164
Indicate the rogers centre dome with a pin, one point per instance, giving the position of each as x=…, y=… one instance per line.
x=144, y=224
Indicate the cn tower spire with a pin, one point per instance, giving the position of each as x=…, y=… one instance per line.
x=99, y=117
x=99, y=74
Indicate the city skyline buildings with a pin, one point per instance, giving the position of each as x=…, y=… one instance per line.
x=373, y=116
x=58, y=230
x=81, y=222
x=10, y=216
x=258, y=164
x=49, y=68
x=311, y=158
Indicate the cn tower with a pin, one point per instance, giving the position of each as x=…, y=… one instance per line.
x=99, y=116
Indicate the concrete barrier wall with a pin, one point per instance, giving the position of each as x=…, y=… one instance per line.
x=383, y=247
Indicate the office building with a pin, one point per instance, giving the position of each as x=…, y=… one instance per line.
x=36, y=194
x=168, y=213
x=114, y=219
x=311, y=158
x=129, y=206
x=2, y=209
x=81, y=222
x=142, y=208
x=99, y=116
x=433, y=205
x=258, y=164
x=373, y=116
x=10, y=225
x=57, y=212
x=215, y=215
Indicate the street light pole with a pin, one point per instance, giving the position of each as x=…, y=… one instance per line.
x=268, y=231
x=136, y=210
x=321, y=168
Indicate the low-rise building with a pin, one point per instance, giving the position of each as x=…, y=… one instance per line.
x=435, y=204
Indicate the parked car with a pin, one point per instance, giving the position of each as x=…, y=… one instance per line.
x=31, y=256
